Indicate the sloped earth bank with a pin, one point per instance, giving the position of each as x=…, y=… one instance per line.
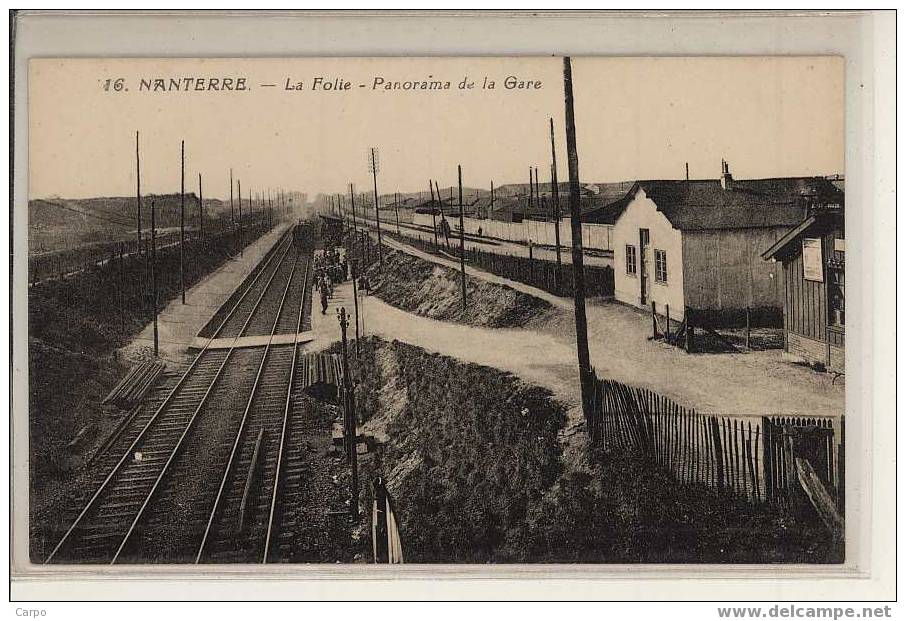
x=475, y=462
x=431, y=290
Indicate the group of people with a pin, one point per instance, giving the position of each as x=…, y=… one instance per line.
x=330, y=268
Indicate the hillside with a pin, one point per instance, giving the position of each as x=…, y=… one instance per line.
x=61, y=223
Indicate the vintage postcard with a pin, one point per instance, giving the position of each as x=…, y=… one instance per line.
x=472, y=311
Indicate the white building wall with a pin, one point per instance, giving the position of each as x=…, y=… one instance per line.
x=594, y=236
x=642, y=213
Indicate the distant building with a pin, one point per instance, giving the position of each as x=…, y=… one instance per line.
x=813, y=256
x=697, y=244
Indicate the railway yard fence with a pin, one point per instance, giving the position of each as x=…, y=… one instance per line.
x=752, y=457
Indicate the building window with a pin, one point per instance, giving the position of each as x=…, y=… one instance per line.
x=660, y=265
x=836, y=296
x=630, y=260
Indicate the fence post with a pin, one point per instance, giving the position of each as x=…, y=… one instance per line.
x=690, y=331
x=653, y=322
x=667, y=331
x=748, y=328
x=718, y=452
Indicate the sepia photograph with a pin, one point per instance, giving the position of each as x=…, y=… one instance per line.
x=458, y=310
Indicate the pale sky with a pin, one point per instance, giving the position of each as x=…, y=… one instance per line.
x=636, y=118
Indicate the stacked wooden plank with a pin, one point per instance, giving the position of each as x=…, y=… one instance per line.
x=132, y=388
x=320, y=369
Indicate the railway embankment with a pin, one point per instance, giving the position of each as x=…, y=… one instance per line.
x=431, y=290
x=473, y=458
x=77, y=326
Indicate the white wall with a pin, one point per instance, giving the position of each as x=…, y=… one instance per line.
x=595, y=236
x=642, y=213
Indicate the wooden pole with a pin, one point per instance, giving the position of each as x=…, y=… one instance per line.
x=351, y=431
x=122, y=287
x=182, y=219
x=537, y=189
x=667, y=332
x=433, y=214
x=138, y=196
x=555, y=196
x=398, y=214
x=355, y=301
x=491, y=206
x=354, y=226
x=748, y=327
x=200, y=207
x=154, y=275
x=653, y=321
x=690, y=331
x=377, y=213
x=239, y=191
x=462, y=240
x=232, y=213
x=531, y=189
x=572, y=158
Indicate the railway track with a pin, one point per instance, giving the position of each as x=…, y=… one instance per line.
x=241, y=522
x=162, y=474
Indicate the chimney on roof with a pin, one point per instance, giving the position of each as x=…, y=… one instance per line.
x=726, y=179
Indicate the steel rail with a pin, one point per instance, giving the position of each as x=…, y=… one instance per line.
x=245, y=415
x=286, y=413
x=150, y=422
x=191, y=422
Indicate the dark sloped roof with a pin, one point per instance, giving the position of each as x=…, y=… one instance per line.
x=751, y=203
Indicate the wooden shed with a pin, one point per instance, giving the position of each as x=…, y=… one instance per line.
x=813, y=256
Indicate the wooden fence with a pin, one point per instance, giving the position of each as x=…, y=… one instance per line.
x=753, y=457
x=539, y=273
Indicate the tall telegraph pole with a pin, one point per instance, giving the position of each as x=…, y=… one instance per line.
x=154, y=275
x=462, y=240
x=377, y=214
x=200, y=207
x=182, y=220
x=555, y=196
x=138, y=196
x=572, y=158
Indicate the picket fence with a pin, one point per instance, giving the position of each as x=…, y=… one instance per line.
x=753, y=457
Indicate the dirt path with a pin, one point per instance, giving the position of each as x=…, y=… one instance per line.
x=543, y=352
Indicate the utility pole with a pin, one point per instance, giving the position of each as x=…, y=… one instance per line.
x=531, y=189
x=182, y=219
x=398, y=214
x=200, y=206
x=154, y=276
x=491, y=206
x=433, y=213
x=537, y=189
x=239, y=191
x=232, y=213
x=572, y=158
x=555, y=196
x=462, y=241
x=377, y=213
x=355, y=301
x=138, y=195
x=349, y=411
x=354, y=225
